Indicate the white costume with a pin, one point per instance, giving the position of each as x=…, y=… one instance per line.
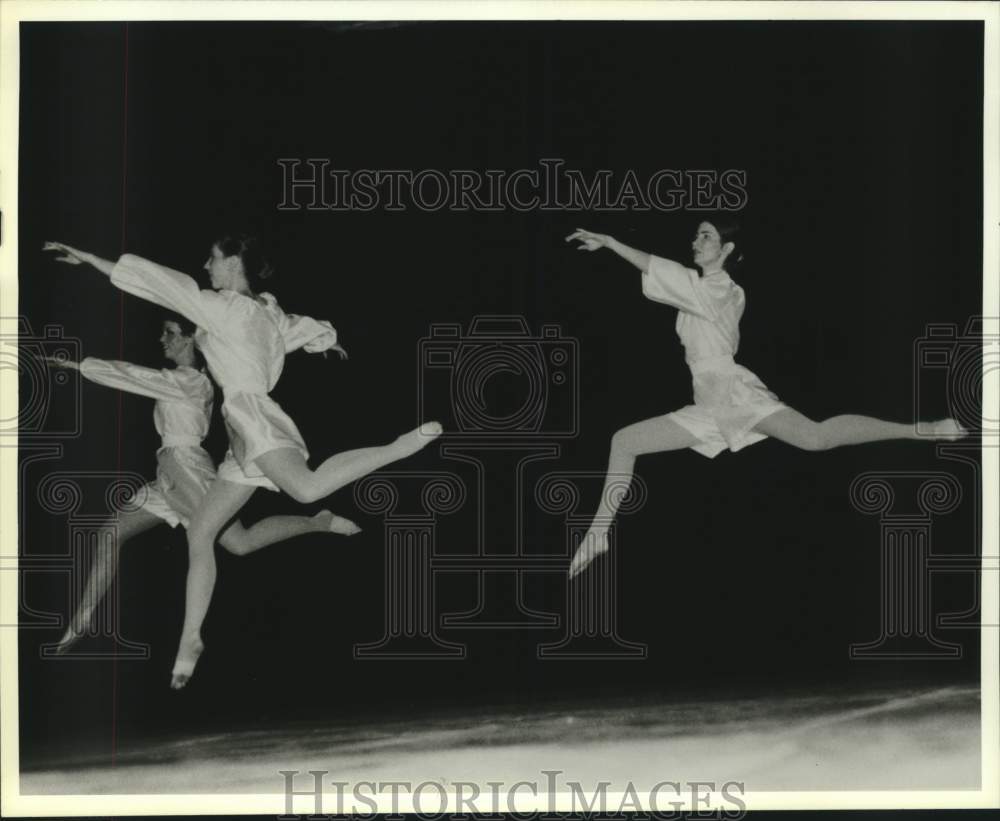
x=182, y=416
x=244, y=341
x=729, y=400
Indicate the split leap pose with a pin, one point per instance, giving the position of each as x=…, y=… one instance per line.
x=184, y=471
x=244, y=336
x=732, y=407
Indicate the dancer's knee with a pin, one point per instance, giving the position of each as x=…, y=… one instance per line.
x=622, y=444
x=289, y=471
x=236, y=545
x=302, y=489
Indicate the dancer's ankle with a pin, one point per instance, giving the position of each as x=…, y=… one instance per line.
x=597, y=532
x=80, y=624
x=191, y=639
x=414, y=440
x=949, y=430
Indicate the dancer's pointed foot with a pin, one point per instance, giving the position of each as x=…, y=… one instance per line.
x=950, y=430
x=327, y=522
x=410, y=443
x=593, y=545
x=187, y=657
x=72, y=635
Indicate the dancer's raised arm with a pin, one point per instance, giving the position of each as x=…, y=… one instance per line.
x=589, y=241
x=156, y=384
x=124, y=376
x=171, y=289
x=74, y=256
x=663, y=280
x=152, y=282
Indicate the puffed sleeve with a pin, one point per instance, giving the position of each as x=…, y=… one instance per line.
x=672, y=284
x=313, y=335
x=132, y=378
x=169, y=288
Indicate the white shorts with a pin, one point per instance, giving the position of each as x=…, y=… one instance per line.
x=729, y=401
x=256, y=425
x=183, y=477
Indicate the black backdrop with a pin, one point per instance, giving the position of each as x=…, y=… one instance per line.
x=862, y=147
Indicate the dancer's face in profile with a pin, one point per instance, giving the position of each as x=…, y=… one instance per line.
x=177, y=347
x=709, y=252
x=222, y=270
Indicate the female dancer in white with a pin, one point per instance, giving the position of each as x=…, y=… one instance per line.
x=184, y=471
x=732, y=407
x=244, y=336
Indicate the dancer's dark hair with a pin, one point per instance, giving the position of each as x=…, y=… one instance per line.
x=730, y=228
x=188, y=328
x=256, y=268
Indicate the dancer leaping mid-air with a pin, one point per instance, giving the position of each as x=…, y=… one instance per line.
x=732, y=407
x=184, y=470
x=244, y=335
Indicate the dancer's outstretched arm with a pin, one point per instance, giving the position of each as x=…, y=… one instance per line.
x=663, y=280
x=589, y=241
x=153, y=282
x=125, y=376
x=74, y=256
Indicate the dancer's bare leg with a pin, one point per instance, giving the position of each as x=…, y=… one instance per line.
x=289, y=471
x=103, y=570
x=790, y=426
x=654, y=435
x=222, y=502
x=244, y=540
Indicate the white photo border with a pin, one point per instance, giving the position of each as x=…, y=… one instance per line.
x=13, y=12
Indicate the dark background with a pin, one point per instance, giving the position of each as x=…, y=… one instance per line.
x=752, y=573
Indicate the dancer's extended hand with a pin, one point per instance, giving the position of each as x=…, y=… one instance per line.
x=62, y=363
x=589, y=241
x=69, y=255
x=338, y=350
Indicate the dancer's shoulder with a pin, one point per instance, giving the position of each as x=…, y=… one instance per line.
x=192, y=381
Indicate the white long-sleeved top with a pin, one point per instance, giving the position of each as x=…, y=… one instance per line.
x=244, y=340
x=710, y=307
x=183, y=395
